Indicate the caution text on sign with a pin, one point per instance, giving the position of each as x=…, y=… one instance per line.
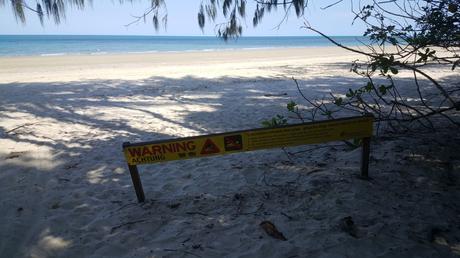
x=248, y=140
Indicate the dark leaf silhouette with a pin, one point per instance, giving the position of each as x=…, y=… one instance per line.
x=271, y=230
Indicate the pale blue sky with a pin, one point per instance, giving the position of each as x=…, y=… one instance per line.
x=107, y=17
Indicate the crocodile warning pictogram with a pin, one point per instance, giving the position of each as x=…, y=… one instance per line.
x=209, y=147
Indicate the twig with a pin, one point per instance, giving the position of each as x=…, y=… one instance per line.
x=18, y=127
x=196, y=213
x=287, y=154
x=126, y=205
x=287, y=216
x=126, y=224
x=183, y=251
x=254, y=212
x=330, y=5
x=315, y=148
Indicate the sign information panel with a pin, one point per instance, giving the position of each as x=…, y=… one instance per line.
x=248, y=140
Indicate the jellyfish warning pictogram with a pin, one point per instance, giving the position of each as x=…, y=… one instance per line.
x=209, y=147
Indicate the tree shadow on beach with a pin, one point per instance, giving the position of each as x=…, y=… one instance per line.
x=66, y=184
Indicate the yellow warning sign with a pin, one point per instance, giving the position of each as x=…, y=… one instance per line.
x=248, y=140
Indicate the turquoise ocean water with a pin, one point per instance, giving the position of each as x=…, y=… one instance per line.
x=38, y=45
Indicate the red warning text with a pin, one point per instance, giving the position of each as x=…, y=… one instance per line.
x=162, y=149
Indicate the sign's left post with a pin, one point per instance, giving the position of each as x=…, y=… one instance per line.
x=135, y=178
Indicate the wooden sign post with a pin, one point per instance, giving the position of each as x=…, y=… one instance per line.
x=248, y=140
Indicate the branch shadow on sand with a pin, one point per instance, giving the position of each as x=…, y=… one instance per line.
x=66, y=191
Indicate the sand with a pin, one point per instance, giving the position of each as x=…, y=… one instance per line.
x=66, y=192
x=242, y=63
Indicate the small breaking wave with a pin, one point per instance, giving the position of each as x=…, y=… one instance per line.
x=54, y=54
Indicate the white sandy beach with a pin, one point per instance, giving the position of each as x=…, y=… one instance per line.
x=202, y=64
x=66, y=191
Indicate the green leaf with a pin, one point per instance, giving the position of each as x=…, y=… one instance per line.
x=456, y=63
x=266, y=123
x=276, y=121
x=385, y=69
x=373, y=67
x=383, y=89
x=338, y=101
x=369, y=86
x=350, y=93
x=291, y=106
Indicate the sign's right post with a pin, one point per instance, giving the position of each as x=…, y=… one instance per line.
x=366, y=142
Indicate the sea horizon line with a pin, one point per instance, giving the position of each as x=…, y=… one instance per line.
x=194, y=36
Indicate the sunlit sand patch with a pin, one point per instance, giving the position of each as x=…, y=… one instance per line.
x=48, y=244
x=39, y=157
x=96, y=176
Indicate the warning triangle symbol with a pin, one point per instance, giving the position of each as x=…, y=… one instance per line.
x=209, y=147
